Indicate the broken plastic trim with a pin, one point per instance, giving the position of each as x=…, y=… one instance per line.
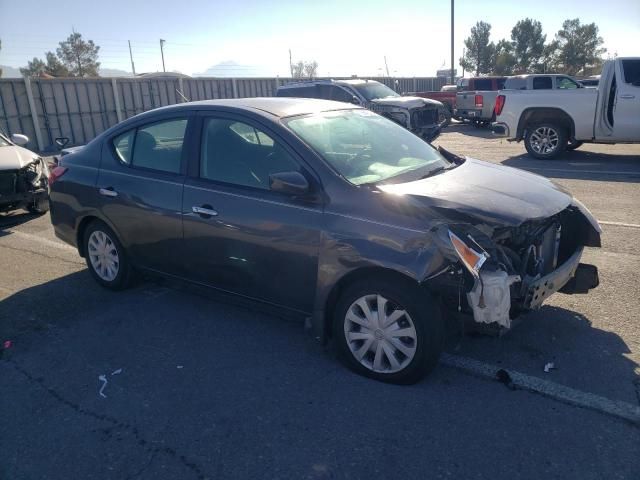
x=471, y=259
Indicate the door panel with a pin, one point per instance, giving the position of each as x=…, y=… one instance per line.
x=626, y=125
x=144, y=204
x=249, y=240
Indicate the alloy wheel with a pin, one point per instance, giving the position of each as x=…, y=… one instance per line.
x=103, y=255
x=544, y=140
x=379, y=334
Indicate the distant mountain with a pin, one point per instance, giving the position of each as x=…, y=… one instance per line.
x=10, y=72
x=230, y=68
x=114, y=72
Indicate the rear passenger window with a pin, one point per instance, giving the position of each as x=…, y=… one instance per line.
x=542, y=83
x=122, y=144
x=631, y=72
x=159, y=146
x=565, y=83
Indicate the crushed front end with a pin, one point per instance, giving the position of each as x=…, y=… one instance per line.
x=24, y=187
x=504, y=271
x=425, y=119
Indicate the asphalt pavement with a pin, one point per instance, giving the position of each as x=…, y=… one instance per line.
x=197, y=388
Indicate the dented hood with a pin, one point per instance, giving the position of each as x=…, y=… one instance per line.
x=15, y=158
x=486, y=192
x=406, y=102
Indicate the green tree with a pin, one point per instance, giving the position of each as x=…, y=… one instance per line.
x=479, y=53
x=504, y=60
x=52, y=67
x=80, y=57
x=579, y=47
x=528, y=45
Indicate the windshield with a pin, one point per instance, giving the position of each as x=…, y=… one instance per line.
x=4, y=142
x=365, y=147
x=373, y=90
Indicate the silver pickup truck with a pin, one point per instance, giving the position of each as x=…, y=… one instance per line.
x=552, y=120
x=476, y=104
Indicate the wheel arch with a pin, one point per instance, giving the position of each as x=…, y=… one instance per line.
x=544, y=115
x=326, y=318
x=82, y=225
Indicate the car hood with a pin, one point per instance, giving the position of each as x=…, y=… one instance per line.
x=406, y=102
x=15, y=158
x=486, y=192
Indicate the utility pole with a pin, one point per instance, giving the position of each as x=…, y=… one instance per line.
x=453, y=75
x=386, y=66
x=133, y=67
x=162, y=52
x=290, y=64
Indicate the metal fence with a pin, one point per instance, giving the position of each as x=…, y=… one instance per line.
x=81, y=108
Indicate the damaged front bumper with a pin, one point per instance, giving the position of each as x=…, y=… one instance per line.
x=507, y=271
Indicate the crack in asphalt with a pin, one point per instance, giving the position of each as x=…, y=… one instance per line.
x=153, y=451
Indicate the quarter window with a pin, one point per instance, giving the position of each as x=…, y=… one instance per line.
x=240, y=154
x=123, y=144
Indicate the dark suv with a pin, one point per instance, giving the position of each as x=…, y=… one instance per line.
x=423, y=116
x=325, y=210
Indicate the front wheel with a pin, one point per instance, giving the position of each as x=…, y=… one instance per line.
x=545, y=140
x=388, y=331
x=105, y=257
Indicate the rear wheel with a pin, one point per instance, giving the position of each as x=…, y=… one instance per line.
x=388, y=331
x=545, y=140
x=105, y=257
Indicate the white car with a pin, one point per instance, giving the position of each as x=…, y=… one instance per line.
x=552, y=120
x=23, y=176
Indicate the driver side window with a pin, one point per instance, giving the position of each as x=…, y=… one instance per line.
x=239, y=154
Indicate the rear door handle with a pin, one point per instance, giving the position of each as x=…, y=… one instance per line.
x=627, y=96
x=205, y=211
x=108, y=192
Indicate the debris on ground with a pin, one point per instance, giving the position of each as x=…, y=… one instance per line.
x=6, y=345
x=116, y=372
x=504, y=377
x=549, y=366
x=103, y=379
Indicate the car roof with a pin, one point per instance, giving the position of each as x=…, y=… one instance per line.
x=279, y=107
x=351, y=81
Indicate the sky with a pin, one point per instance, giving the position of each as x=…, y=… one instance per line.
x=345, y=37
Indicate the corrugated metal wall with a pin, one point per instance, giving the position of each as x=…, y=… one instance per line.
x=81, y=108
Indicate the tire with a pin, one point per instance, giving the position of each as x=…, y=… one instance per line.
x=40, y=206
x=116, y=273
x=444, y=117
x=545, y=140
x=573, y=144
x=377, y=352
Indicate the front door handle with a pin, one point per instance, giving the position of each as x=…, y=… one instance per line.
x=108, y=192
x=627, y=96
x=205, y=211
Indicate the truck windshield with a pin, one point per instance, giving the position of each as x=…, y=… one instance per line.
x=373, y=90
x=365, y=147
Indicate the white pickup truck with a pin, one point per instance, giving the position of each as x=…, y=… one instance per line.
x=550, y=121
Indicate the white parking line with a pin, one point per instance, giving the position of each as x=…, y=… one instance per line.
x=574, y=171
x=41, y=240
x=619, y=224
x=562, y=393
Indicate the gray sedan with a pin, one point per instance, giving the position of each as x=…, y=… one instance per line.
x=327, y=211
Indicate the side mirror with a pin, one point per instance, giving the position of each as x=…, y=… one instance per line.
x=19, y=139
x=290, y=183
x=61, y=142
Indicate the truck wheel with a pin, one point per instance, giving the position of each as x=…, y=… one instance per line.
x=388, y=331
x=444, y=117
x=545, y=140
x=573, y=144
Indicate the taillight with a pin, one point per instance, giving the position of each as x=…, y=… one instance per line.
x=479, y=101
x=56, y=173
x=500, y=99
